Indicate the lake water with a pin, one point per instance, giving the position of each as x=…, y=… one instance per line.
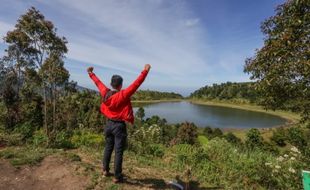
x=213, y=116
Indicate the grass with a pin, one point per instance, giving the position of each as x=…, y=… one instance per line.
x=72, y=156
x=24, y=155
x=202, y=140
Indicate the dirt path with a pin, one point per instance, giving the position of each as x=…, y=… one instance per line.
x=53, y=172
x=58, y=172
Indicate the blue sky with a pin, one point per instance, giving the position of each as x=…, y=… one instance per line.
x=189, y=43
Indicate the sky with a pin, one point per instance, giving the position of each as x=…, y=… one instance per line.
x=189, y=43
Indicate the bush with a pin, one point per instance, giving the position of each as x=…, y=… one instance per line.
x=220, y=163
x=157, y=150
x=39, y=138
x=208, y=132
x=10, y=139
x=212, y=133
x=296, y=137
x=62, y=140
x=187, y=134
x=254, y=139
x=147, y=140
x=25, y=129
x=230, y=137
x=270, y=147
x=217, y=133
x=279, y=137
x=87, y=138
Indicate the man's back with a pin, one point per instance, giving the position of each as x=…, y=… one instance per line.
x=118, y=106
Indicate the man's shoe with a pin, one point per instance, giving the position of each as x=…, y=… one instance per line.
x=106, y=173
x=118, y=180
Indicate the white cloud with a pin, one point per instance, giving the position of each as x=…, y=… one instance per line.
x=191, y=22
x=127, y=34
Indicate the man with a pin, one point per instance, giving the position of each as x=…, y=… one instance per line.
x=116, y=106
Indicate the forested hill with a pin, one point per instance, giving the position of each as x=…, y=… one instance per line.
x=143, y=94
x=155, y=95
x=228, y=90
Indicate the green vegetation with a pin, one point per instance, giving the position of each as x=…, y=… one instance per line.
x=146, y=95
x=24, y=155
x=281, y=67
x=42, y=113
x=209, y=156
x=241, y=92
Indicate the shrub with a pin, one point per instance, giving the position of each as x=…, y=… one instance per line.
x=208, y=132
x=296, y=137
x=187, y=134
x=220, y=163
x=87, y=138
x=270, y=147
x=146, y=140
x=25, y=129
x=62, y=140
x=212, y=133
x=157, y=150
x=10, y=139
x=279, y=137
x=254, y=139
x=39, y=138
x=217, y=133
x=230, y=137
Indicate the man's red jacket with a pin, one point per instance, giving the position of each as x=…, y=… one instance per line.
x=118, y=106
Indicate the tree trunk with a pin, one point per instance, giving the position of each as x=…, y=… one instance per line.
x=45, y=114
x=54, y=107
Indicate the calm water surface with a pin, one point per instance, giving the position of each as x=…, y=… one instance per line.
x=213, y=116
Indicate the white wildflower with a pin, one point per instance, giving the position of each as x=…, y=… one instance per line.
x=291, y=170
x=292, y=158
x=277, y=167
x=294, y=149
x=268, y=164
x=285, y=155
x=280, y=158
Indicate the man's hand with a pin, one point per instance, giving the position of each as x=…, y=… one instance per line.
x=147, y=67
x=90, y=69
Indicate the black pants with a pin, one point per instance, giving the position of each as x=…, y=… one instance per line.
x=115, y=137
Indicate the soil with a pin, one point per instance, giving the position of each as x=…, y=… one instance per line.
x=52, y=173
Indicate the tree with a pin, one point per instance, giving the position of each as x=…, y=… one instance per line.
x=217, y=132
x=10, y=99
x=187, y=134
x=140, y=113
x=54, y=77
x=207, y=131
x=230, y=137
x=282, y=67
x=254, y=139
x=33, y=45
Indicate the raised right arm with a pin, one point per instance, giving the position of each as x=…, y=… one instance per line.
x=101, y=87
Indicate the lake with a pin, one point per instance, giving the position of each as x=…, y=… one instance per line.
x=213, y=116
